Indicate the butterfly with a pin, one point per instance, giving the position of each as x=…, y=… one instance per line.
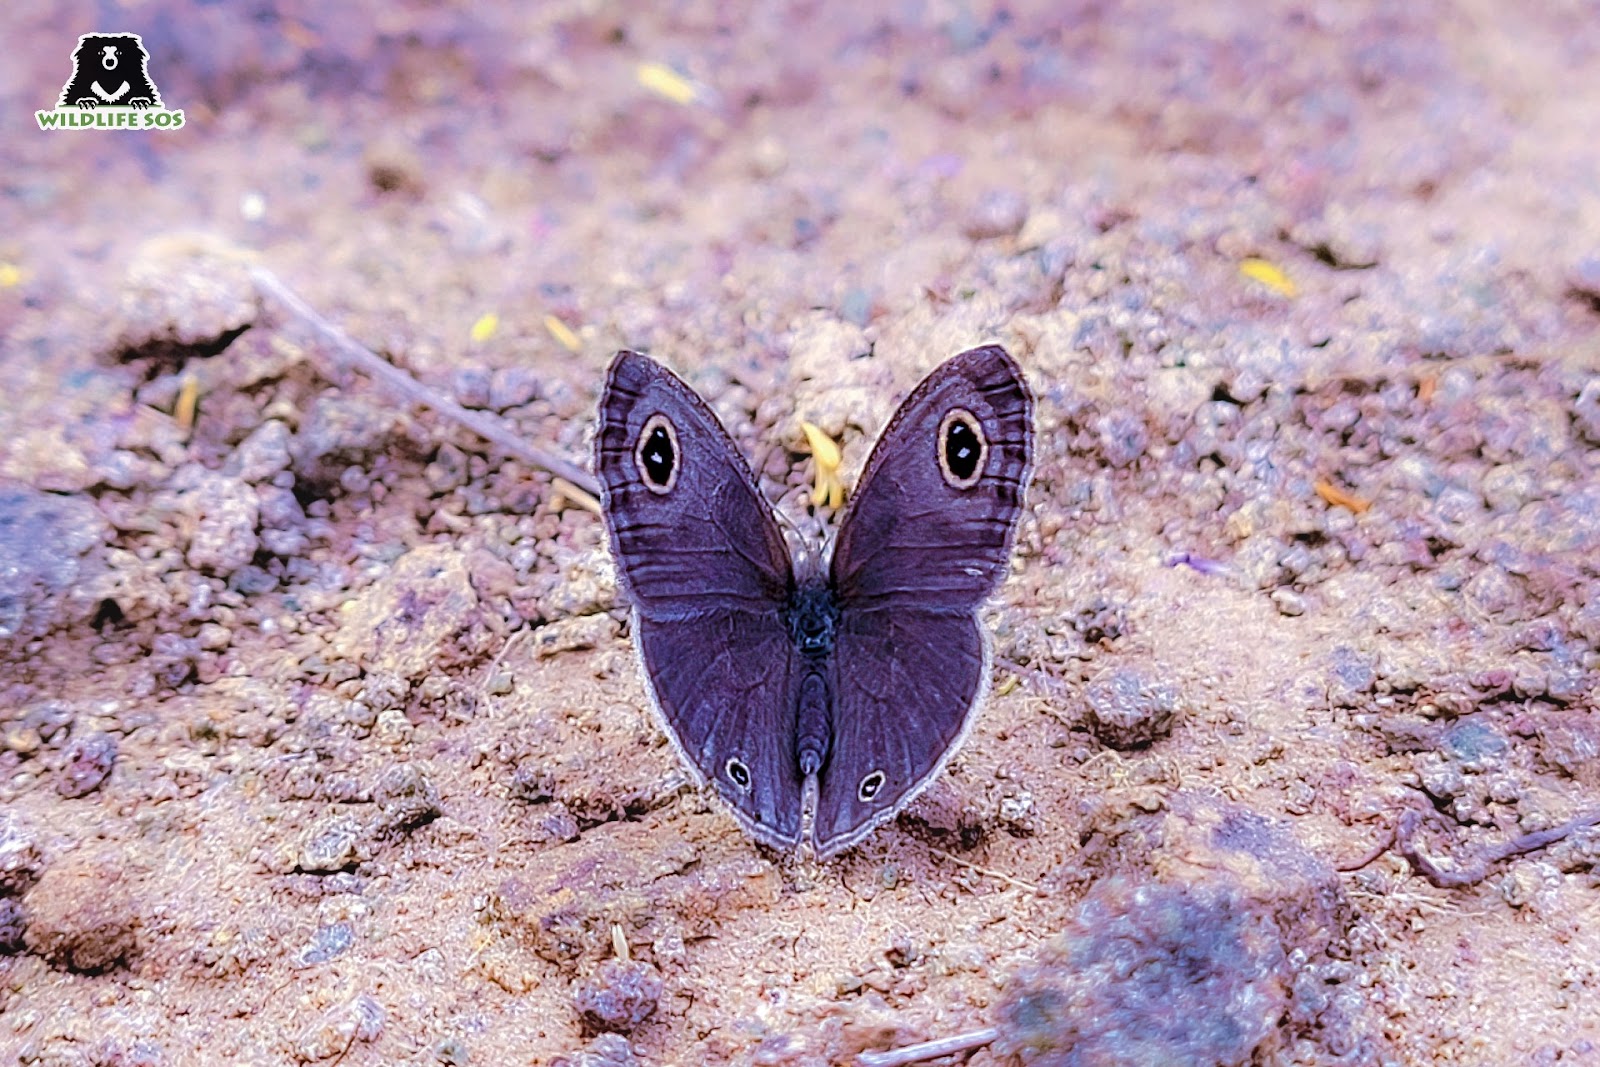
x=817, y=697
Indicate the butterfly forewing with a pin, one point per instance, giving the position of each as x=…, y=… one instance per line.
x=689, y=529
x=924, y=527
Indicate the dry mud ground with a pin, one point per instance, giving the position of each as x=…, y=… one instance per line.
x=322, y=741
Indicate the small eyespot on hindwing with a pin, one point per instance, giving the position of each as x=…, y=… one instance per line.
x=870, y=786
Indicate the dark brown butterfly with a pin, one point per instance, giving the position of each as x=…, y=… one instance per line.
x=818, y=703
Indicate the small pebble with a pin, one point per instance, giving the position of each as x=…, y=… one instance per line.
x=998, y=213
x=553, y=824
x=452, y=1052
x=531, y=783
x=49, y=548
x=339, y=432
x=1525, y=881
x=20, y=862
x=1476, y=745
x=326, y=943
x=330, y=845
x=12, y=925
x=1586, y=411
x=512, y=387
x=448, y=471
x=49, y=718
x=226, y=512
x=1352, y=675
x=406, y=796
x=471, y=386
x=89, y=763
x=22, y=740
x=606, y=1050
x=619, y=996
x=1128, y=710
x=1288, y=602
x=263, y=454
x=1123, y=437
x=214, y=638
x=360, y=1019
x=1017, y=812
x=82, y=917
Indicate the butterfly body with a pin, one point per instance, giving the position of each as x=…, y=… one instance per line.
x=816, y=705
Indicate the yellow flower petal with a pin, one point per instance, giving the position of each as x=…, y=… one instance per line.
x=827, y=490
x=822, y=446
x=562, y=333
x=1269, y=275
x=188, y=403
x=485, y=327
x=664, y=81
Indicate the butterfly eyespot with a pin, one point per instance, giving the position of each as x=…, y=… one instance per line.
x=870, y=786
x=737, y=773
x=656, y=455
x=962, y=449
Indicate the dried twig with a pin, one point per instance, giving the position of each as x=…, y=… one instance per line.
x=986, y=872
x=1385, y=843
x=350, y=353
x=927, y=1050
x=1473, y=873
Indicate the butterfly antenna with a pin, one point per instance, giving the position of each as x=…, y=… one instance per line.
x=783, y=518
x=809, y=559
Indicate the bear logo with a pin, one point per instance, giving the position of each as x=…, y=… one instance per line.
x=110, y=69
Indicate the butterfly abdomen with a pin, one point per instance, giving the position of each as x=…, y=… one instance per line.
x=813, y=723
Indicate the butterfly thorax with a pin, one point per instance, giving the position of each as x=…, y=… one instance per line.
x=812, y=618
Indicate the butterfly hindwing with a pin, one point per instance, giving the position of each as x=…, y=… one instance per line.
x=908, y=685
x=724, y=686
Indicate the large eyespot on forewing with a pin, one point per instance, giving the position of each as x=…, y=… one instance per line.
x=656, y=455
x=962, y=447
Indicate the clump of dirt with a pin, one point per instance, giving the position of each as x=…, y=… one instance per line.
x=1150, y=975
x=83, y=916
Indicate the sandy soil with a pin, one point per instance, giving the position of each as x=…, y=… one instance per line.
x=320, y=737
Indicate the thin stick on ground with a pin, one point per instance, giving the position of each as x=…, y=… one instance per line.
x=1471, y=874
x=928, y=1050
x=986, y=872
x=350, y=353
